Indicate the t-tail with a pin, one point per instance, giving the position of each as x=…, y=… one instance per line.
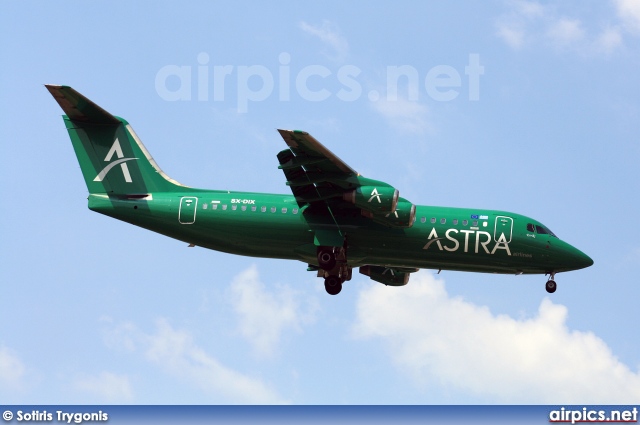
x=112, y=158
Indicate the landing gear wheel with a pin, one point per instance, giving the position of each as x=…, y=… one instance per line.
x=333, y=285
x=326, y=258
x=551, y=286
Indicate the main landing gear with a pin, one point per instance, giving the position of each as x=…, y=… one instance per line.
x=551, y=283
x=333, y=267
x=332, y=284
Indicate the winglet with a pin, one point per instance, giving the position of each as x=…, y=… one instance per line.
x=79, y=108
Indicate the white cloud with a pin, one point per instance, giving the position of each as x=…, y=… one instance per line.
x=435, y=337
x=106, y=385
x=121, y=336
x=512, y=33
x=329, y=34
x=565, y=31
x=629, y=14
x=527, y=23
x=175, y=351
x=264, y=315
x=512, y=26
x=528, y=9
x=12, y=370
x=406, y=116
x=609, y=40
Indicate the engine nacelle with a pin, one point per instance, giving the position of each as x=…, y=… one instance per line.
x=376, y=199
x=404, y=216
x=385, y=275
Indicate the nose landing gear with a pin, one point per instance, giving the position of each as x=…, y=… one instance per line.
x=551, y=283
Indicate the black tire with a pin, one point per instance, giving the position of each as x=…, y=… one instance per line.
x=551, y=286
x=332, y=285
x=326, y=259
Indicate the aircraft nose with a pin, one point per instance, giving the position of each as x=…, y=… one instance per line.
x=584, y=260
x=578, y=259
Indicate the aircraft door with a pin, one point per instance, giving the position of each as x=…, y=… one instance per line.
x=504, y=225
x=187, y=211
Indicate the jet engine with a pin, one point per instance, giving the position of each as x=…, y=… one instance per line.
x=375, y=199
x=404, y=216
x=386, y=275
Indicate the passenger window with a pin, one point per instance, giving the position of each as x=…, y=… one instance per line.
x=273, y=209
x=443, y=221
x=214, y=206
x=474, y=223
x=423, y=219
x=455, y=221
x=295, y=211
x=530, y=227
x=433, y=220
x=224, y=207
x=465, y=222
x=243, y=208
x=253, y=208
x=263, y=209
x=234, y=207
x=204, y=206
x=284, y=210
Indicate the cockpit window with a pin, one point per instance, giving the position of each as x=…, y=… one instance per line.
x=544, y=231
x=530, y=228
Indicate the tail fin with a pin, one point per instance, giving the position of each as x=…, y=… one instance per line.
x=112, y=157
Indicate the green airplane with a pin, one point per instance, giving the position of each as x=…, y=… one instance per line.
x=336, y=219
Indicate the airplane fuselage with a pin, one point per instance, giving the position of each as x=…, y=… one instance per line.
x=274, y=226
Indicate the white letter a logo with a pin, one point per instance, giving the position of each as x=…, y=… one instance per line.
x=117, y=150
x=375, y=194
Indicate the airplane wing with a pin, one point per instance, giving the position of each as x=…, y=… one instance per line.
x=313, y=172
x=327, y=186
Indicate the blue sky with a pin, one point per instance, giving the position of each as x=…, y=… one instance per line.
x=98, y=311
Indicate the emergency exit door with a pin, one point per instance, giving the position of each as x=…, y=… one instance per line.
x=504, y=225
x=187, y=210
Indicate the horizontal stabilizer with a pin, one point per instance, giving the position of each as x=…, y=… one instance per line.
x=79, y=108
